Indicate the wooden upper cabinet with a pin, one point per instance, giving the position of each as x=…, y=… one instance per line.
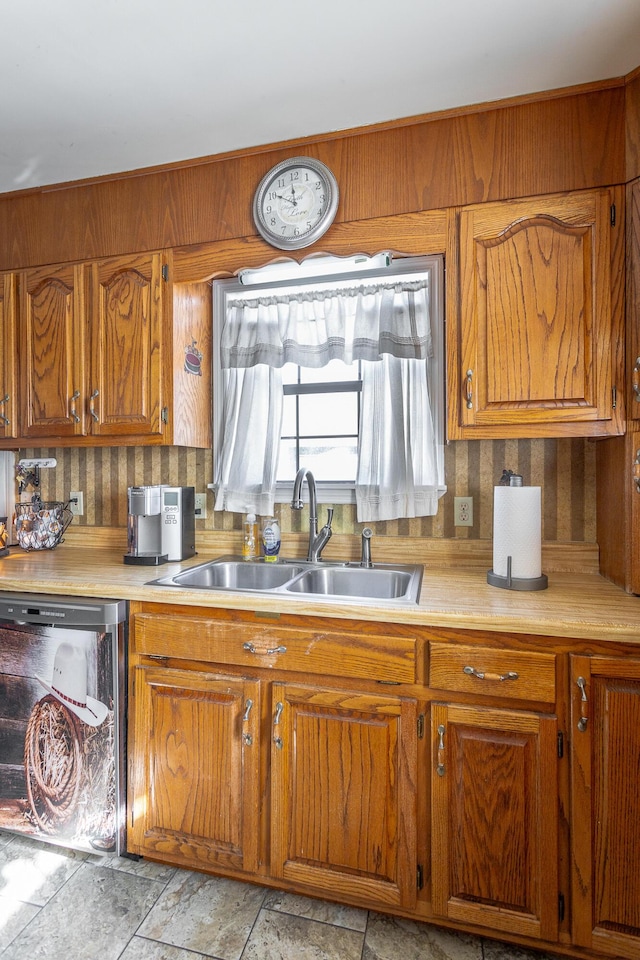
x=109, y=352
x=128, y=344
x=8, y=358
x=633, y=299
x=52, y=353
x=539, y=348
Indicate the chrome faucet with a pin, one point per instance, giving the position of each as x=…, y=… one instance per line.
x=317, y=541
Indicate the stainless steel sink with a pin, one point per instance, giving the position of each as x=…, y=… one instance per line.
x=235, y=575
x=300, y=579
x=371, y=583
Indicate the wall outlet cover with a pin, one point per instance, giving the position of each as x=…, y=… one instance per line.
x=463, y=511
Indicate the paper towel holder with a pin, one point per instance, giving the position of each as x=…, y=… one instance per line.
x=511, y=479
x=517, y=583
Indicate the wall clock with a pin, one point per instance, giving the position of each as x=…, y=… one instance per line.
x=295, y=203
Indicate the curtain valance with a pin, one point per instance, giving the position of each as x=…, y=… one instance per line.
x=312, y=327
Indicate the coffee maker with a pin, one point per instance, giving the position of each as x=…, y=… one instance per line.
x=160, y=524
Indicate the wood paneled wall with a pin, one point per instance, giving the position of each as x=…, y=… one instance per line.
x=565, y=140
x=564, y=469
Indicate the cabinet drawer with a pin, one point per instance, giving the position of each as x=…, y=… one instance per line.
x=388, y=658
x=516, y=674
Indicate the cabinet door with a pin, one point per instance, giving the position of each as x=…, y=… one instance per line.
x=193, y=762
x=127, y=347
x=495, y=819
x=343, y=793
x=540, y=335
x=8, y=356
x=52, y=352
x=605, y=804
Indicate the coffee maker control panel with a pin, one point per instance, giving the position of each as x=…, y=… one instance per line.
x=178, y=522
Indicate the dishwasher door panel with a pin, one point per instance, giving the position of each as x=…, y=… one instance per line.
x=60, y=776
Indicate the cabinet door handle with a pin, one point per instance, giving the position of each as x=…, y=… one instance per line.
x=635, y=380
x=440, y=767
x=276, y=721
x=481, y=675
x=94, y=415
x=72, y=410
x=636, y=471
x=270, y=651
x=5, y=399
x=247, y=710
x=469, y=389
x=584, y=705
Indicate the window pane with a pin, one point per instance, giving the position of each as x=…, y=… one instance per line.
x=290, y=373
x=323, y=413
x=332, y=459
x=286, y=462
x=288, y=416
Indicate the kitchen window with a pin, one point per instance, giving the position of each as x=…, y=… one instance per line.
x=342, y=374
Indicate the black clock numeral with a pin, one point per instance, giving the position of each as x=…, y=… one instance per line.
x=295, y=175
x=272, y=221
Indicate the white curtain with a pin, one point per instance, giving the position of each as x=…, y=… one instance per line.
x=252, y=417
x=397, y=458
x=387, y=326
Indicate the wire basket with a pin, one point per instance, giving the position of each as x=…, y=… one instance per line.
x=40, y=525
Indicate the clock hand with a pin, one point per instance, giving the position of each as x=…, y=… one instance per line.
x=281, y=196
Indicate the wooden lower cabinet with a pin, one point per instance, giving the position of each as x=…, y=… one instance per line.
x=485, y=782
x=194, y=768
x=495, y=819
x=343, y=795
x=605, y=771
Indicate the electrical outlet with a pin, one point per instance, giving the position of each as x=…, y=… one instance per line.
x=77, y=508
x=201, y=506
x=463, y=511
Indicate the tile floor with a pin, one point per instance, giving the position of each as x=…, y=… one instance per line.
x=63, y=905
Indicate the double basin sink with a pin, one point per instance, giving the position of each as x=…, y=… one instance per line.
x=399, y=583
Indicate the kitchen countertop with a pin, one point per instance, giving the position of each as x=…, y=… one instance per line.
x=578, y=604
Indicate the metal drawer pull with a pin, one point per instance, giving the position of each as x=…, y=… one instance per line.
x=247, y=711
x=440, y=766
x=276, y=721
x=481, y=675
x=269, y=652
x=584, y=705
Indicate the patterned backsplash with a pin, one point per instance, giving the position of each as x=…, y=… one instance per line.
x=564, y=469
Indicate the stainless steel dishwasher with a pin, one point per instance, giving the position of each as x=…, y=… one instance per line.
x=62, y=720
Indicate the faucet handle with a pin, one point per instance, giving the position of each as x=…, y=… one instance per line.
x=329, y=516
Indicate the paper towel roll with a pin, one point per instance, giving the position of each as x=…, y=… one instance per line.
x=517, y=531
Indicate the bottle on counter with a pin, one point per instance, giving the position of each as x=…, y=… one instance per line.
x=250, y=538
x=271, y=540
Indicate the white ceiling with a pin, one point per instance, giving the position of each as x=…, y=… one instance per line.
x=88, y=89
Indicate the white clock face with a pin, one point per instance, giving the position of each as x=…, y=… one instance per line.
x=295, y=203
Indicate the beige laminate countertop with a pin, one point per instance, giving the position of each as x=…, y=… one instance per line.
x=576, y=604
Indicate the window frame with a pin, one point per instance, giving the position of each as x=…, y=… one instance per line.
x=409, y=268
